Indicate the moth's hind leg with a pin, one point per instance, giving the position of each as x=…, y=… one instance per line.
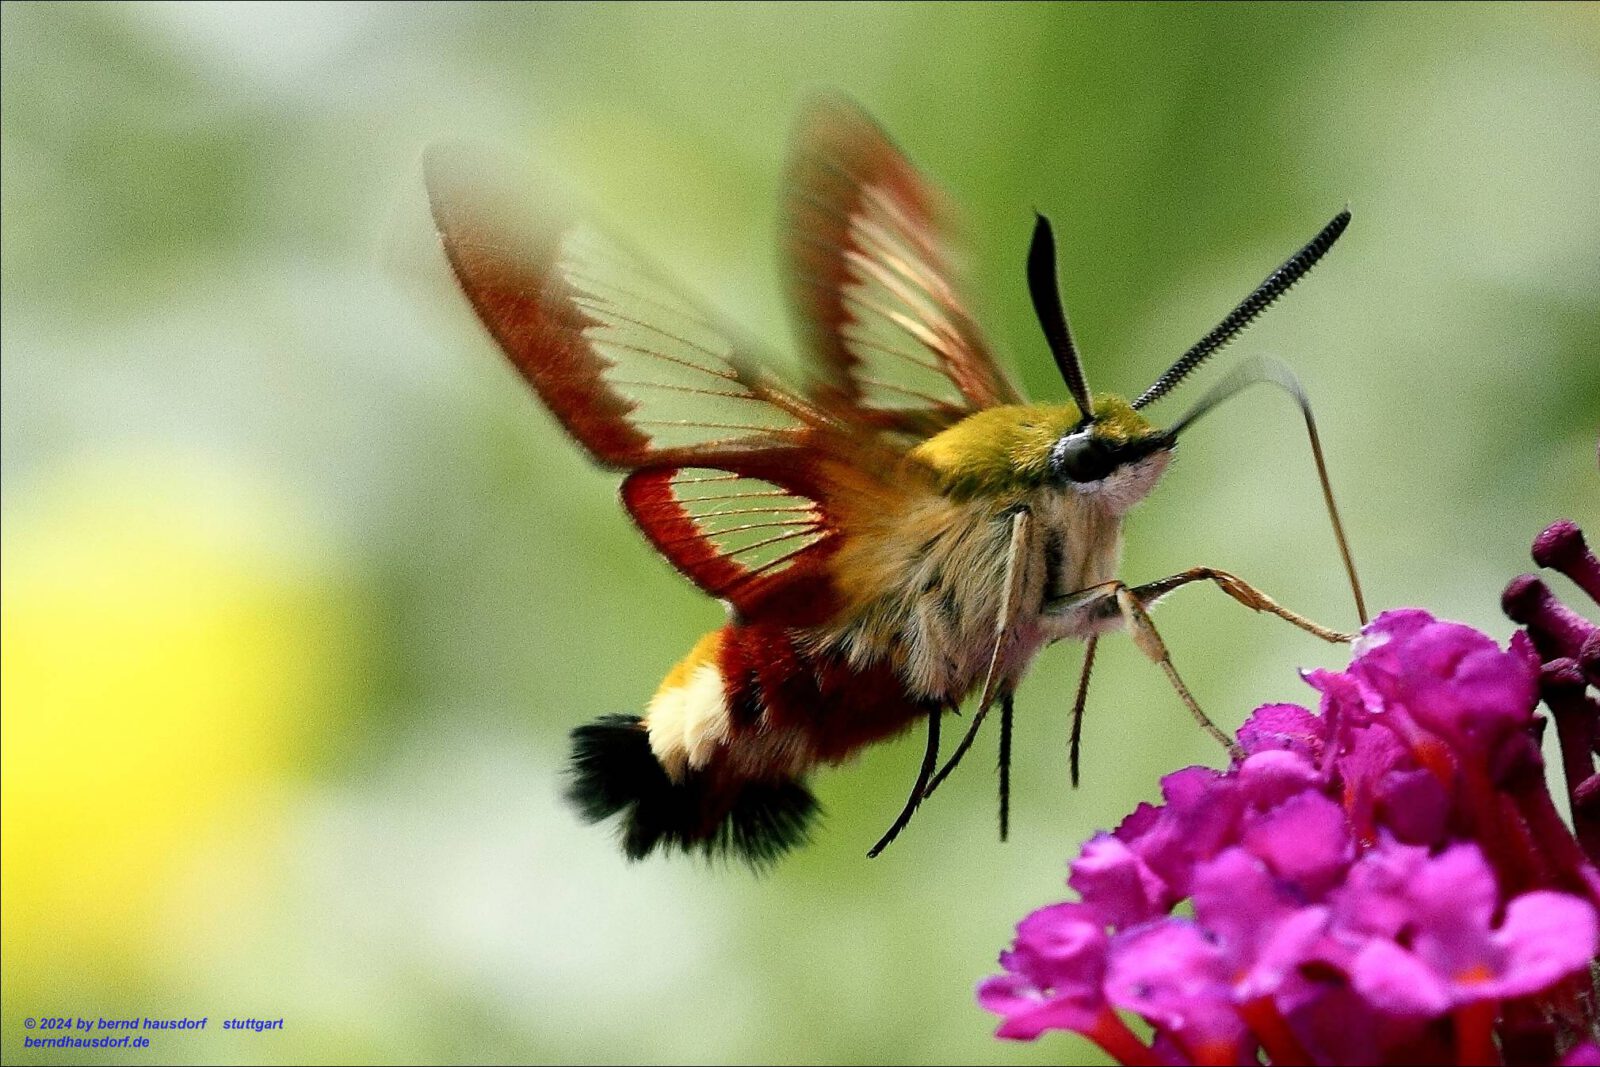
x=930, y=760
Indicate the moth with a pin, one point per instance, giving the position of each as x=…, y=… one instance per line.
x=903, y=533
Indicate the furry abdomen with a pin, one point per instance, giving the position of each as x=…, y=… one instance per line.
x=761, y=700
x=717, y=764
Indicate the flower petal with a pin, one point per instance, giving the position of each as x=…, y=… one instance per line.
x=1060, y=947
x=1026, y=1012
x=1393, y=980
x=1545, y=937
x=1273, y=776
x=1176, y=977
x=1413, y=806
x=1305, y=840
x=1117, y=884
x=1283, y=727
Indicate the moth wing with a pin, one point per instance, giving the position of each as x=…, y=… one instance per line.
x=753, y=532
x=727, y=465
x=635, y=371
x=872, y=281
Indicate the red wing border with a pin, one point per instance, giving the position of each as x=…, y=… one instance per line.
x=636, y=372
x=753, y=534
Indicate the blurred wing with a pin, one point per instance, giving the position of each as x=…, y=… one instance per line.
x=634, y=371
x=725, y=463
x=871, y=279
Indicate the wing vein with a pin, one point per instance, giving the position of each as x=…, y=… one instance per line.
x=656, y=354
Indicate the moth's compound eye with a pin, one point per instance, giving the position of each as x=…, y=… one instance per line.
x=1081, y=457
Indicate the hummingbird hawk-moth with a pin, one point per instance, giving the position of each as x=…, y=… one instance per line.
x=902, y=533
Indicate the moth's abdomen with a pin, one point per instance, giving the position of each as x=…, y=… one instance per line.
x=717, y=763
x=614, y=772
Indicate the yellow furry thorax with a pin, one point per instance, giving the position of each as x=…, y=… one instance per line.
x=1007, y=448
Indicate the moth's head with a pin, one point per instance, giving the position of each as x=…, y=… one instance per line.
x=1113, y=448
x=1114, y=452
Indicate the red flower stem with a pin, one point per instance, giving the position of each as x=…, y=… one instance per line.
x=1212, y=1053
x=1501, y=832
x=1554, y=841
x=1120, y=1043
x=1475, y=1034
x=1283, y=1049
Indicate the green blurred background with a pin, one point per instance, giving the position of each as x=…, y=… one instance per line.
x=302, y=591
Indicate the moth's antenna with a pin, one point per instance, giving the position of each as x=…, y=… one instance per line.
x=1276, y=284
x=1052, y=316
x=1262, y=369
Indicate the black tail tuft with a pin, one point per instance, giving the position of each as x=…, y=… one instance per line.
x=614, y=772
x=612, y=766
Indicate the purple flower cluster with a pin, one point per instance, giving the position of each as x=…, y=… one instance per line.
x=1387, y=881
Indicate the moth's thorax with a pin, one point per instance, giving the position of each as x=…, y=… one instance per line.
x=926, y=591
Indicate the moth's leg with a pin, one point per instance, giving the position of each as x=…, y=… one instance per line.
x=1005, y=764
x=1089, y=611
x=1010, y=607
x=1106, y=601
x=930, y=760
x=966, y=742
x=1148, y=641
x=1078, y=705
x=1239, y=590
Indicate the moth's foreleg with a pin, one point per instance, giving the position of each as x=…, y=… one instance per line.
x=1006, y=709
x=1005, y=764
x=1240, y=590
x=994, y=678
x=966, y=742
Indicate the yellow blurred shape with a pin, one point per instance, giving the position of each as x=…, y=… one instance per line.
x=168, y=630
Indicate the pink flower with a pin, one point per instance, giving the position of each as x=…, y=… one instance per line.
x=1423, y=937
x=1385, y=881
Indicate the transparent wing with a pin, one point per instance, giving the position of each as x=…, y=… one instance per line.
x=751, y=535
x=871, y=278
x=726, y=464
x=635, y=371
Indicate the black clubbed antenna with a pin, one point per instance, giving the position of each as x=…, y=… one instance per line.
x=1277, y=283
x=1052, y=316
